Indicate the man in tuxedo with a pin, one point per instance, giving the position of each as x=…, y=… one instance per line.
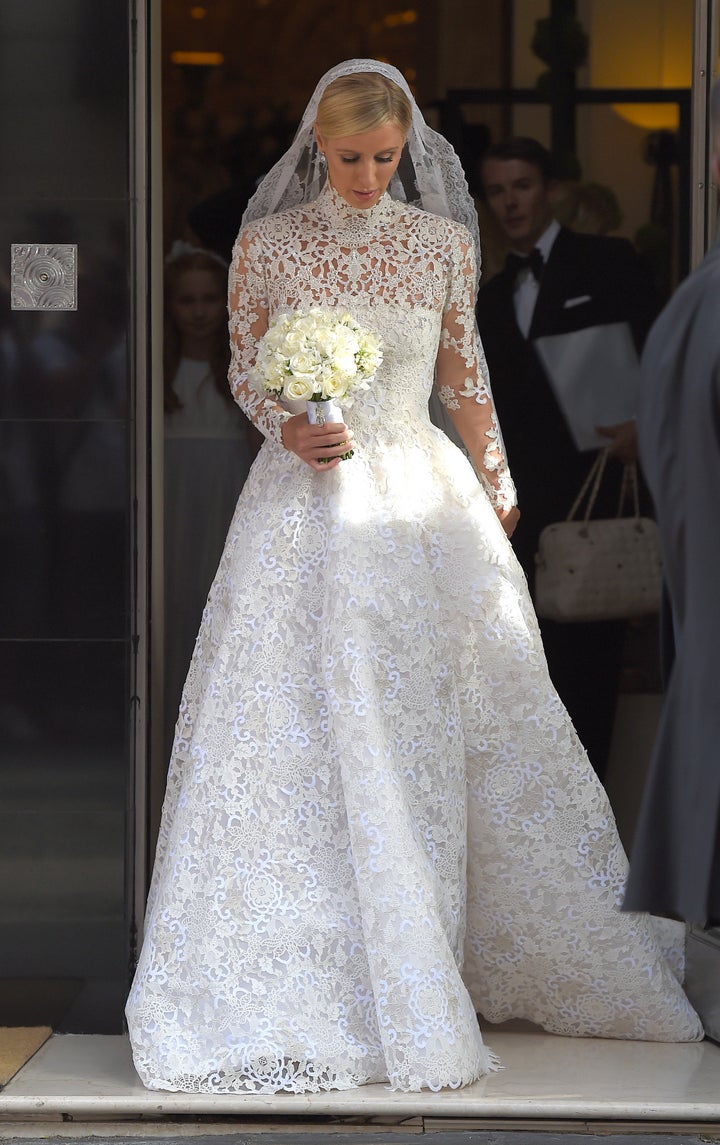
x=556, y=281
x=675, y=862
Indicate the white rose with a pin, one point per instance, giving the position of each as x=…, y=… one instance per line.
x=300, y=388
x=293, y=340
x=335, y=387
x=304, y=362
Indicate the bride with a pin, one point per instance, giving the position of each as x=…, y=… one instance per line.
x=379, y=819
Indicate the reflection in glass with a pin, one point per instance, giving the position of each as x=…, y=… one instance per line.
x=208, y=451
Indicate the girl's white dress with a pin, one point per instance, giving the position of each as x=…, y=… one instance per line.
x=379, y=819
x=207, y=458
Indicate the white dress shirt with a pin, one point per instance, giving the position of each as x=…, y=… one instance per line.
x=527, y=286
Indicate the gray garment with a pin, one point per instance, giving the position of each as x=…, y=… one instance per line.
x=675, y=867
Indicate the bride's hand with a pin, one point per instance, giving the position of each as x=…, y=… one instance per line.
x=508, y=518
x=311, y=442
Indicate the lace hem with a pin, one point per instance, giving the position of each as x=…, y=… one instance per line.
x=284, y=1076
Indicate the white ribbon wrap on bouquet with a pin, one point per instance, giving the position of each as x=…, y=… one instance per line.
x=327, y=411
x=320, y=412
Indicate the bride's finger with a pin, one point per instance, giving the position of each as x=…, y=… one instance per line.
x=321, y=467
x=338, y=450
x=330, y=433
x=337, y=440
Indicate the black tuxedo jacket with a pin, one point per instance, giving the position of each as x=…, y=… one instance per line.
x=588, y=280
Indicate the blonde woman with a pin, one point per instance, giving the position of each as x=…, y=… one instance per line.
x=379, y=819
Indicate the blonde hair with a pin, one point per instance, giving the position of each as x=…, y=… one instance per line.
x=362, y=102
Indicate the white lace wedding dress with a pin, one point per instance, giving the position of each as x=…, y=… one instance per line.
x=379, y=819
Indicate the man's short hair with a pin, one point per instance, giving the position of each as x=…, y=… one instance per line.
x=526, y=149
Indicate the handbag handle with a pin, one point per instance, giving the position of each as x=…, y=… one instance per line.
x=628, y=487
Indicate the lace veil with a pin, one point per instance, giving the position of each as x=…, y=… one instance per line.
x=430, y=175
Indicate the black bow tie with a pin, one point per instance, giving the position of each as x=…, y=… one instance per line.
x=534, y=262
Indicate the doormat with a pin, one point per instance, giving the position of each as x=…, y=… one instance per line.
x=17, y=1046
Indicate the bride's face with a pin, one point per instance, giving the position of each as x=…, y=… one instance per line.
x=360, y=167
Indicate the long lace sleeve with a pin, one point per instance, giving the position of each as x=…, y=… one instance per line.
x=461, y=379
x=248, y=311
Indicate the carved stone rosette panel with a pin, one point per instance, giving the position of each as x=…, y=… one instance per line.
x=43, y=277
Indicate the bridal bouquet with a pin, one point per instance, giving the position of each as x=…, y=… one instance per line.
x=321, y=356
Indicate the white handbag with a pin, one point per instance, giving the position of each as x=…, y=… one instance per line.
x=602, y=569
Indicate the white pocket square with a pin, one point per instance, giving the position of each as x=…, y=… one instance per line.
x=576, y=301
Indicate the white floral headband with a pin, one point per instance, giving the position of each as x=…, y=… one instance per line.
x=181, y=249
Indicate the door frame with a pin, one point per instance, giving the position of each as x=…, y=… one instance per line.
x=146, y=323
x=704, y=193
x=146, y=273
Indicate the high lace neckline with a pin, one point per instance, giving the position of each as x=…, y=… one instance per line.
x=355, y=225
